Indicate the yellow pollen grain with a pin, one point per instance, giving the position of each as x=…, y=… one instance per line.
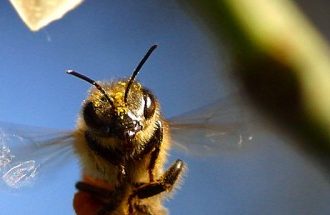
x=122, y=83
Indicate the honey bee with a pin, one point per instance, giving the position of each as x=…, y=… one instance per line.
x=122, y=141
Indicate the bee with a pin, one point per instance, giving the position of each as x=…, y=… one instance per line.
x=122, y=141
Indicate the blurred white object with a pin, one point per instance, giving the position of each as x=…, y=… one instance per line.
x=38, y=14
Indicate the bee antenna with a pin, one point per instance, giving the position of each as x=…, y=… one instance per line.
x=91, y=81
x=137, y=70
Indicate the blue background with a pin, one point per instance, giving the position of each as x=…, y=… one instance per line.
x=105, y=40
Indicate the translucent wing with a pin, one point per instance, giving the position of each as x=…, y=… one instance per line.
x=222, y=125
x=28, y=153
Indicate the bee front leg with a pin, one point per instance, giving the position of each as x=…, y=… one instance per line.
x=153, y=147
x=165, y=183
x=157, y=141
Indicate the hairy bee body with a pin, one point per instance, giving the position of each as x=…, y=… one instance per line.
x=122, y=142
x=95, y=167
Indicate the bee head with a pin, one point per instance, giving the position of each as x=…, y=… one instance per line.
x=123, y=117
x=119, y=109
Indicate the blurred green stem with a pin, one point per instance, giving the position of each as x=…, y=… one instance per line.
x=283, y=61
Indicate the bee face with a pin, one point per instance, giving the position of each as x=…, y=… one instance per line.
x=123, y=117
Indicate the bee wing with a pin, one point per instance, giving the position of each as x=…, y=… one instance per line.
x=28, y=153
x=220, y=126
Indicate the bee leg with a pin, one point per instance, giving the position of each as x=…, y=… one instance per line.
x=165, y=183
x=110, y=199
x=157, y=141
x=152, y=147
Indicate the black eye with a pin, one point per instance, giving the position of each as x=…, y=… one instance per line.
x=90, y=116
x=89, y=113
x=149, y=104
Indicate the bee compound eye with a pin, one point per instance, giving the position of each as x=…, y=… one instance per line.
x=90, y=116
x=149, y=105
x=88, y=111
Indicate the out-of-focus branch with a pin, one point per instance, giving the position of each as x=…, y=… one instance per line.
x=283, y=61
